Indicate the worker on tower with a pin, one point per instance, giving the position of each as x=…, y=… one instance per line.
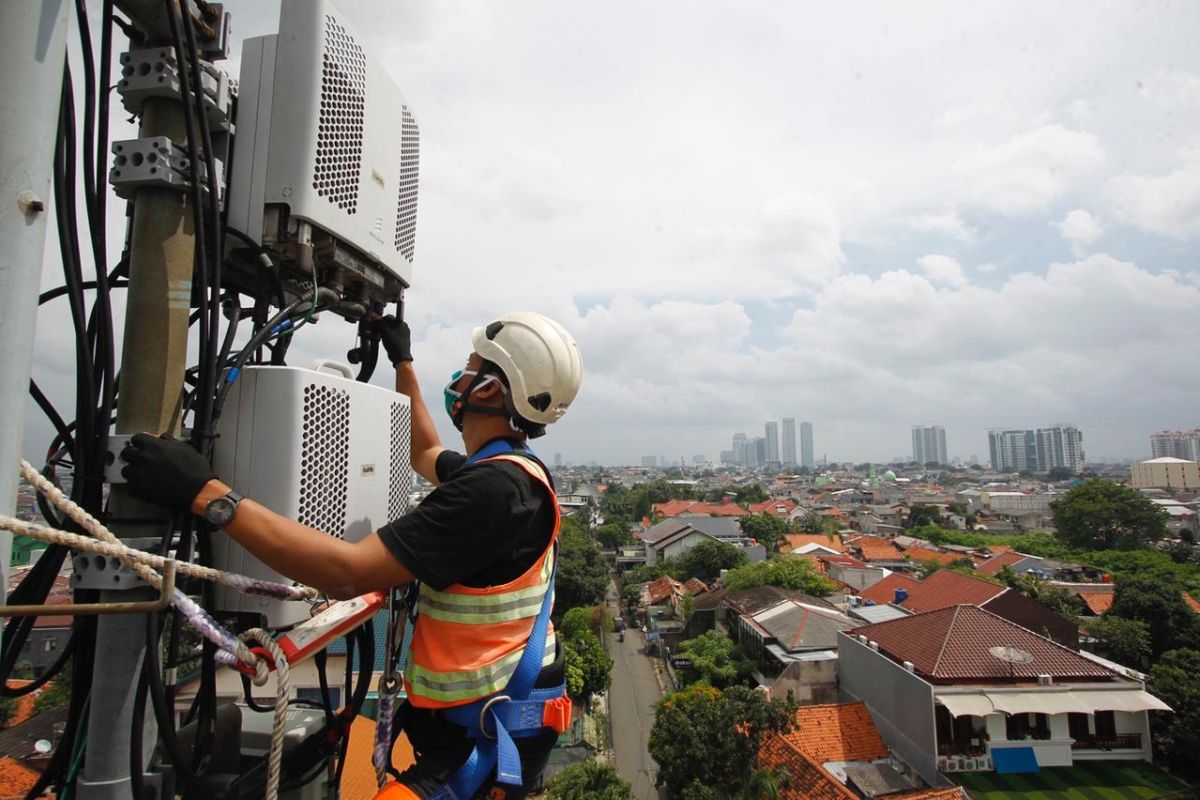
x=485, y=675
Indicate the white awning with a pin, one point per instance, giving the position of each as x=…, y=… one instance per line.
x=1045, y=702
x=1124, y=700
x=960, y=705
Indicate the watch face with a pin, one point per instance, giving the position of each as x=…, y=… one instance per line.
x=220, y=511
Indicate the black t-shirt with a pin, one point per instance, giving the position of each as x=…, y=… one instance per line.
x=486, y=524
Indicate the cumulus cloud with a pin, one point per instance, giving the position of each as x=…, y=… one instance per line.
x=1166, y=204
x=948, y=224
x=942, y=269
x=1028, y=171
x=1080, y=229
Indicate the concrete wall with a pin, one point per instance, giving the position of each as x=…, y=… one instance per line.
x=900, y=703
x=1166, y=475
x=810, y=682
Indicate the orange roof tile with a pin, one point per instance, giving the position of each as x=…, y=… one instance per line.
x=999, y=561
x=1192, y=603
x=358, y=776
x=776, y=508
x=1098, y=603
x=875, y=549
x=16, y=779
x=837, y=732
x=884, y=591
x=925, y=554
x=807, y=779
x=946, y=588
x=798, y=540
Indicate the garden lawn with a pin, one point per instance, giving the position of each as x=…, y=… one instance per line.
x=1088, y=780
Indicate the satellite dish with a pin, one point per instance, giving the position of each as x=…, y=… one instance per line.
x=43, y=746
x=1010, y=654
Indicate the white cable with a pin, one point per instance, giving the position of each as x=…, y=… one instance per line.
x=279, y=725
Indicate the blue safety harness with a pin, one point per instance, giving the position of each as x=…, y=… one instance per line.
x=518, y=712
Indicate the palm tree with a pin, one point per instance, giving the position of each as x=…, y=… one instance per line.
x=589, y=780
x=765, y=784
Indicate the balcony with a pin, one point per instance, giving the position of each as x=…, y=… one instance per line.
x=959, y=747
x=1117, y=741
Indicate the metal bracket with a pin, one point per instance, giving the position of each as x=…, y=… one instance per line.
x=155, y=73
x=153, y=161
x=166, y=593
x=95, y=571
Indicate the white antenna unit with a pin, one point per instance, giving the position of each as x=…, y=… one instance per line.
x=325, y=160
x=324, y=449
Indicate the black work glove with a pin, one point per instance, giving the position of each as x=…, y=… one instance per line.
x=164, y=471
x=395, y=337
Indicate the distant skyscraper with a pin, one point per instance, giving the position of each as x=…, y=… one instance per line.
x=1037, y=450
x=789, y=441
x=557, y=460
x=772, y=437
x=649, y=462
x=1176, y=444
x=806, y=445
x=727, y=457
x=1060, y=446
x=929, y=444
x=740, y=455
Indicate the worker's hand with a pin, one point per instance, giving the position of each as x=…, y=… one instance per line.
x=164, y=471
x=395, y=337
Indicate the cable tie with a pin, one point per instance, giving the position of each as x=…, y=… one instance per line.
x=232, y=375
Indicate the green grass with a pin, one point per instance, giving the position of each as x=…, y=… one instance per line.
x=1088, y=780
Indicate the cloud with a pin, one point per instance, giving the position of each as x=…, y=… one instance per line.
x=1028, y=171
x=1164, y=204
x=942, y=269
x=948, y=224
x=1080, y=229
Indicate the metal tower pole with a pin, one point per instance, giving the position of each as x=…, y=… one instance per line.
x=33, y=44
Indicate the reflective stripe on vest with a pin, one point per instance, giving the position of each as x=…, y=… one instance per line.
x=467, y=641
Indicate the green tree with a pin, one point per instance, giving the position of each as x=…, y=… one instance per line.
x=1055, y=598
x=581, y=619
x=589, y=780
x=582, y=577
x=1102, y=515
x=55, y=695
x=812, y=522
x=588, y=666
x=1175, y=679
x=766, y=784
x=1126, y=641
x=706, y=560
x=1160, y=606
x=750, y=493
x=613, y=535
x=706, y=741
x=1059, y=474
x=715, y=659
x=767, y=529
x=8, y=707
x=923, y=514
x=787, y=573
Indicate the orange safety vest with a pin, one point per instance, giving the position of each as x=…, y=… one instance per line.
x=467, y=641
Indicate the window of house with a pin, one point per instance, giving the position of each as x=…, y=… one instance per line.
x=1041, y=726
x=1106, y=724
x=1016, y=726
x=1077, y=725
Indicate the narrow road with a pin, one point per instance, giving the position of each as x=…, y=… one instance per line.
x=631, y=699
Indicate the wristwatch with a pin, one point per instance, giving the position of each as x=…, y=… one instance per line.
x=219, y=512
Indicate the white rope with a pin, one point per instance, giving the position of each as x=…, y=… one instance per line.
x=279, y=725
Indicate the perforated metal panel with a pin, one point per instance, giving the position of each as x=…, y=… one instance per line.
x=406, y=203
x=401, y=471
x=340, y=126
x=325, y=459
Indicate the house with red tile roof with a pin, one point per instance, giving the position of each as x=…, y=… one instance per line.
x=835, y=752
x=999, y=561
x=873, y=548
x=697, y=508
x=884, y=591
x=923, y=554
x=961, y=689
x=16, y=779
x=947, y=587
x=776, y=507
x=811, y=543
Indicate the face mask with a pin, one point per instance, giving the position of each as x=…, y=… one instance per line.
x=450, y=396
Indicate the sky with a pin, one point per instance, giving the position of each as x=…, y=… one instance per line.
x=867, y=217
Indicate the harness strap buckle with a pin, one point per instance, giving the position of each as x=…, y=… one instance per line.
x=556, y=714
x=483, y=713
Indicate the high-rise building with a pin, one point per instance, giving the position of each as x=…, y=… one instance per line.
x=1176, y=444
x=727, y=457
x=1060, y=446
x=649, y=462
x=806, y=445
x=740, y=455
x=929, y=444
x=756, y=452
x=789, y=441
x=1036, y=450
x=772, y=443
x=557, y=460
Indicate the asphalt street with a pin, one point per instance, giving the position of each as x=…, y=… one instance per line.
x=632, y=697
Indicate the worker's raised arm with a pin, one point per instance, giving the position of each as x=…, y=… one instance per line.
x=426, y=445
x=396, y=339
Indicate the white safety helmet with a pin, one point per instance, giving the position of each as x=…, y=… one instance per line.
x=540, y=362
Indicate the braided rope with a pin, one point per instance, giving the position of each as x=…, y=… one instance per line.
x=381, y=754
x=278, y=727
